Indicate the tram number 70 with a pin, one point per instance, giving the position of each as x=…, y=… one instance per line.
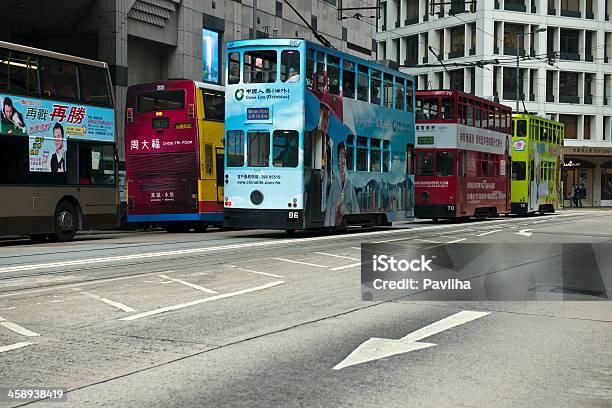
x=450, y=208
x=293, y=216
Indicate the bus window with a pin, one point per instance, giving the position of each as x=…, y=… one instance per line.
x=350, y=152
x=400, y=93
x=388, y=91
x=333, y=75
x=163, y=100
x=214, y=105
x=235, y=148
x=427, y=109
x=448, y=108
x=234, y=68
x=290, y=66
x=259, y=67
x=309, y=67
x=102, y=169
x=18, y=72
x=409, y=94
x=375, y=87
x=348, y=80
x=425, y=164
x=94, y=85
x=386, y=156
x=521, y=128
x=363, y=88
x=444, y=163
x=58, y=78
x=258, y=148
x=362, y=153
x=374, y=155
x=285, y=148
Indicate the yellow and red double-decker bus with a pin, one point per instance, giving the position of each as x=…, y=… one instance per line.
x=174, y=154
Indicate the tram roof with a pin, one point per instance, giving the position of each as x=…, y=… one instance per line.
x=527, y=116
x=453, y=92
x=282, y=42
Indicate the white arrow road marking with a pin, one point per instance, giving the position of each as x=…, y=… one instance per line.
x=17, y=328
x=377, y=348
x=525, y=232
x=14, y=346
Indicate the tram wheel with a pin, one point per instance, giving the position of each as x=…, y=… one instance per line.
x=65, y=222
x=177, y=228
x=200, y=227
x=435, y=220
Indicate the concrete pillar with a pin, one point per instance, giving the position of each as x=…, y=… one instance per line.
x=185, y=61
x=484, y=47
x=112, y=48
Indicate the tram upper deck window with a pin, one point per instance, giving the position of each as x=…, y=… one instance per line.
x=285, y=148
x=400, y=93
x=427, y=109
x=94, y=85
x=233, y=68
x=258, y=148
x=290, y=66
x=260, y=67
x=388, y=90
x=425, y=164
x=448, y=108
x=333, y=75
x=348, y=79
x=363, y=87
x=521, y=128
x=310, y=63
x=58, y=78
x=375, y=91
x=18, y=72
x=409, y=95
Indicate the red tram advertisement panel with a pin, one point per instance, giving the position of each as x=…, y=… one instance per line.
x=462, y=156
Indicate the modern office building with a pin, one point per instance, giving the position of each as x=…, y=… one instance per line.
x=565, y=70
x=149, y=40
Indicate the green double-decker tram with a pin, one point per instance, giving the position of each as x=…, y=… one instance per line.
x=537, y=162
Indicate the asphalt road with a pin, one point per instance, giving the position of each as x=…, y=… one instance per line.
x=260, y=319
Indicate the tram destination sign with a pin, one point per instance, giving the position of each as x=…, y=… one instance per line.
x=426, y=140
x=258, y=113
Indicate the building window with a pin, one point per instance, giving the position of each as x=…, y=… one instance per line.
x=457, y=79
x=510, y=39
x=313, y=22
x=569, y=45
x=568, y=87
x=279, y=9
x=412, y=51
x=457, y=42
x=571, y=125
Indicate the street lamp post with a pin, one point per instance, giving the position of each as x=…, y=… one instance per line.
x=539, y=30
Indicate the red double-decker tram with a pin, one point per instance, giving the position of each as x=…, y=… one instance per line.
x=462, y=156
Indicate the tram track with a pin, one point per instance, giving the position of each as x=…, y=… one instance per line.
x=196, y=257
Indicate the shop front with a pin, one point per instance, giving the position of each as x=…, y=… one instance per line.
x=590, y=170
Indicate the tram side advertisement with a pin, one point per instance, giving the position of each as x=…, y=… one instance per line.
x=49, y=125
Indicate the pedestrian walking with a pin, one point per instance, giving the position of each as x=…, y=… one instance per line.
x=576, y=196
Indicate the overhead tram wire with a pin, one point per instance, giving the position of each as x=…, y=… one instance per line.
x=317, y=35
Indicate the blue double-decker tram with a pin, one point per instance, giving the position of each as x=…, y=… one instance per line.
x=315, y=138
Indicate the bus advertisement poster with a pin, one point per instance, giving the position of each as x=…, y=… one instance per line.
x=50, y=124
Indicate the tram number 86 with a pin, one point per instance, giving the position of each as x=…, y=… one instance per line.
x=293, y=215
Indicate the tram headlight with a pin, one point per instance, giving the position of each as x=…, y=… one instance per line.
x=425, y=196
x=256, y=197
